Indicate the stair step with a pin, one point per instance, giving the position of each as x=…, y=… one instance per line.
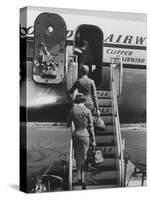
x=97, y=178
x=104, y=140
x=109, y=155
x=104, y=182
x=108, y=150
x=104, y=144
x=101, y=168
x=104, y=102
x=108, y=162
x=109, y=159
x=93, y=187
x=105, y=111
x=105, y=177
x=103, y=94
x=101, y=133
x=107, y=131
x=108, y=120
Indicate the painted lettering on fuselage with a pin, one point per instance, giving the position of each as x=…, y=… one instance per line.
x=129, y=47
x=112, y=38
x=127, y=39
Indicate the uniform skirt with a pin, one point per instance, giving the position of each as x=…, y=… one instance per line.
x=90, y=107
x=81, y=146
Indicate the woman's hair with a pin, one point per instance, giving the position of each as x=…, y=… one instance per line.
x=84, y=70
x=85, y=43
x=80, y=98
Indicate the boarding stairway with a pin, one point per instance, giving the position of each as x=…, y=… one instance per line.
x=109, y=173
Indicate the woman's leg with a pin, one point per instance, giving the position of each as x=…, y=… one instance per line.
x=77, y=145
x=81, y=146
x=86, y=141
x=79, y=175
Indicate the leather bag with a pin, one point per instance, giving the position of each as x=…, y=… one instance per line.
x=98, y=122
x=95, y=156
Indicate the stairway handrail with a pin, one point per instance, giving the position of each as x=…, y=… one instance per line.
x=117, y=61
x=73, y=79
x=117, y=122
x=70, y=159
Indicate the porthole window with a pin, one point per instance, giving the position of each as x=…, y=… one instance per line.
x=50, y=29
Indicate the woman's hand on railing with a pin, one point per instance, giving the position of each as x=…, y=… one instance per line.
x=98, y=113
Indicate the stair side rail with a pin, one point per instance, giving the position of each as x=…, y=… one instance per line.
x=71, y=77
x=117, y=81
x=71, y=155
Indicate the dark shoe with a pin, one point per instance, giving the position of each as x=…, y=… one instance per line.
x=83, y=186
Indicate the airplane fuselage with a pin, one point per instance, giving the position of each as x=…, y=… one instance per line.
x=121, y=38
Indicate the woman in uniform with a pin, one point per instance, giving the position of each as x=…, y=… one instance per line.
x=83, y=134
x=87, y=87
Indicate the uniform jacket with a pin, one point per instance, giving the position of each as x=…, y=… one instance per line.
x=83, y=121
x=86, y=86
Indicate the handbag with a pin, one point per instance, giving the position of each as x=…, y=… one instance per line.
x=98, y=122
x=95, y=156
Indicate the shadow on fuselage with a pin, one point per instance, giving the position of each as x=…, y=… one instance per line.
x=46, y=113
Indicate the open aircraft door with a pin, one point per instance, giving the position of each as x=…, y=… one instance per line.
x=88, y=47
x=49, y=48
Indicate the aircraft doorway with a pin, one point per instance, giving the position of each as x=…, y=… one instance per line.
x=88, y=46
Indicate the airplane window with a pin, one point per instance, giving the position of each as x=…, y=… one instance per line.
x=50, y=29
